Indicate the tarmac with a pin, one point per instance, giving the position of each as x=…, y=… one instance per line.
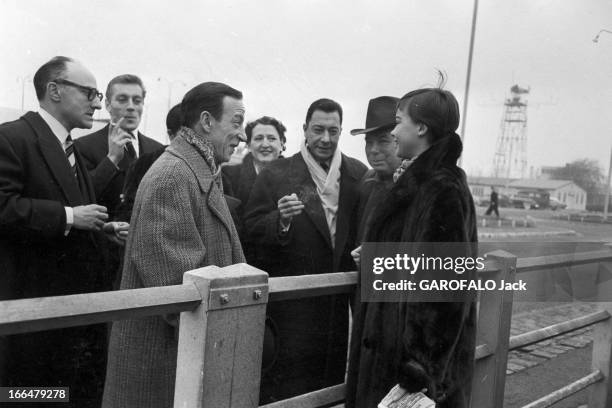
x=538, y=353
x=537, y=370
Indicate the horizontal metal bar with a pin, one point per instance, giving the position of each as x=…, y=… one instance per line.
x=569, y=390
x=555, y=261
x=46, y=313
x=297, y=287
x=315, y=399
x=303, y=286
x=544, y=333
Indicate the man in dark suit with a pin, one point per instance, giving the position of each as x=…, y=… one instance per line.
x=50, y=231
x=381, y=152
x=109, y=152
x=302, y=211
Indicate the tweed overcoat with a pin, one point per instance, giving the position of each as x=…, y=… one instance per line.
x=180, y=221
x=419, y=344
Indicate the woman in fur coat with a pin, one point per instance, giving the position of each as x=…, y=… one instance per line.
x=420, y=345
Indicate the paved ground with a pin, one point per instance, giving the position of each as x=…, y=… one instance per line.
x=537, y=370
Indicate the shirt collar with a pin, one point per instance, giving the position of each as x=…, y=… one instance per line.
x=56, y=127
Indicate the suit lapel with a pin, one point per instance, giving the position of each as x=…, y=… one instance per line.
x=146, y=144
x=55, y=157
x=89, y=196
x=215, y=199
x=218, y=206
x=346, y=204
x=307, y=193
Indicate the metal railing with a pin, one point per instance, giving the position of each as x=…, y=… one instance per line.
x=222, y=328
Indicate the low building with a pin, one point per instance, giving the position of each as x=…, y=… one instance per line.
x=481, y=186
x=566, y=191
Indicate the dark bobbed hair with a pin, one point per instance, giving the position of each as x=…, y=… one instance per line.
x=51, y=70
x=266, y=120
x=325, y=105
x=436, y=108
x=207, y=96
x=174, y=119
x=125, y=79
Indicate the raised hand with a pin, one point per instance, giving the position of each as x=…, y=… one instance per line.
x=117, y=139
x=289, y=206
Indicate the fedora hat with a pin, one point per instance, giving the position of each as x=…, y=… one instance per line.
x=380, y=116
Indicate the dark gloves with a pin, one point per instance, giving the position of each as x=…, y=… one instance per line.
x=414, y=378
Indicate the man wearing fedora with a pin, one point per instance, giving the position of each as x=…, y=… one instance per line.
x=381, y=152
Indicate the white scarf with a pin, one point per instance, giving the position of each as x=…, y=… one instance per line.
x=328, y=185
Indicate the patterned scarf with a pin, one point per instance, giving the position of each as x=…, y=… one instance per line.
x=203, y=146
x=402, y=168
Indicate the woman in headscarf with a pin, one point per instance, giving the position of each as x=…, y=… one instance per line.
x=420, y=345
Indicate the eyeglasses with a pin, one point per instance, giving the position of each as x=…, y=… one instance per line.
x=90, y=92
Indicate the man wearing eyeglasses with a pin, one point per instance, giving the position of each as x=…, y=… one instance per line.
x=50, y=232
x=109, y=152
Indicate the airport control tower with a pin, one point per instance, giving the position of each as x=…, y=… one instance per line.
x=510, y=159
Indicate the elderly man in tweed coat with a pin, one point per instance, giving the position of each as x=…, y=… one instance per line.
x=180, y=221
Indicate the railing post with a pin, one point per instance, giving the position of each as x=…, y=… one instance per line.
x=220, y=343
x=494, y=318
x=601, y=392
x=604, y=278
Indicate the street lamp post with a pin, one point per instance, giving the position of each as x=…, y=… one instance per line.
x=170, y=85
x=23, y=80
x=607, y=199
x=609, y=179
x=468, y=75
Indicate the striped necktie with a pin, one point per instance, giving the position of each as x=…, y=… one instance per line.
x=129, y=147
x=69, y=149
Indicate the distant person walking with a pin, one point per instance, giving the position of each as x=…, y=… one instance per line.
x=493, y=204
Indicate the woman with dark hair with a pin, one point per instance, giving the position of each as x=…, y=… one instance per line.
x=265, y=141
x=420, y=345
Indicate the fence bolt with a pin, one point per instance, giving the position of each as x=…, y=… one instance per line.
x=224, y=298
x=257, y=294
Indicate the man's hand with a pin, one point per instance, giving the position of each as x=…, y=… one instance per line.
x=89, y=217
x=117, y=139
x=289, y=206
x=356, y=254
x=117, y=232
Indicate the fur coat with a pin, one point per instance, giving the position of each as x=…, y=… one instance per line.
x=418, y=345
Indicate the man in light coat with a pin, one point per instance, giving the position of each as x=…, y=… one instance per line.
x=180, y=222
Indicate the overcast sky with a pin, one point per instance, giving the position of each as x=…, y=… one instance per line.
x=283, y=54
